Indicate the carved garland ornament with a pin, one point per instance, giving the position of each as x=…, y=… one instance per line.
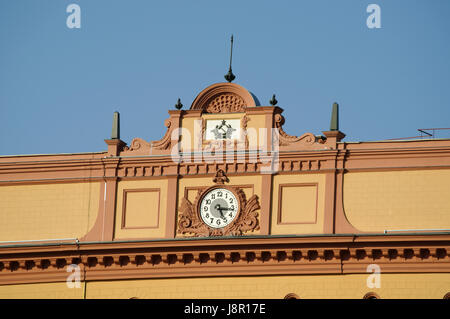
x=191, y=222
x=140, y=146
x=137, y=144
x=165, y=142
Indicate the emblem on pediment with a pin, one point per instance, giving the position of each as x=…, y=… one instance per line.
x=223, y=131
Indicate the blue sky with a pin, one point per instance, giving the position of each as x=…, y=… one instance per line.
x=59, y=87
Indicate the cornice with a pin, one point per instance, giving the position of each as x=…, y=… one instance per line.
x=94, y=168
x=344, y=254
x=400, y=150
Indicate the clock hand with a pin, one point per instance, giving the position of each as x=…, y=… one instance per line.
x=219, y=208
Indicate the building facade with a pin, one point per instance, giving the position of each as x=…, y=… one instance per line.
x=228, y=205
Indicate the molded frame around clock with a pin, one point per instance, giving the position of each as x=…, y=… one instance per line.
x=246, y=218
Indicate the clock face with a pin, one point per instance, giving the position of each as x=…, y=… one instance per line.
x=219, y=207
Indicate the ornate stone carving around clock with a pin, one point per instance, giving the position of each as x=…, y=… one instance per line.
x=219, y=210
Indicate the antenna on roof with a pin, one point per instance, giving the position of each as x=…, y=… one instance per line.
x=230, y=76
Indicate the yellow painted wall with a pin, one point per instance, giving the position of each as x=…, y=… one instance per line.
x=393, y=286
x=253, y=133
x=188, y=182
x=298, y=211
x=48, y=211
x=55, y=290
x=140, y=206
x=188, y=133
x=417, y=199
x=277, y=287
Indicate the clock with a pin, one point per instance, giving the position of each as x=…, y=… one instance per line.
x=219, y=210
x=218, y=207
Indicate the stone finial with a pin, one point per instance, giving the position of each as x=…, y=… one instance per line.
x=334, y=135
x=115, y=134
x=334, y=124
x=178, y=106
x=115, y=144
x=273, y=101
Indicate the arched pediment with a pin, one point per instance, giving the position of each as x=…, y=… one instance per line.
x=223, y=98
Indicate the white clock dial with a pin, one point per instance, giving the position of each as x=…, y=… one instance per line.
x=219, y=207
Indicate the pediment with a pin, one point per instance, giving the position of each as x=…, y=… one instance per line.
x=223, y=98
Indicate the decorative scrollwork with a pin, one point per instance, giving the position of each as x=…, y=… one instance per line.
x=248, y=219
x=138, y=145
x=286, y=139
x=189, y=221
x=165, y=142
x=245, y=121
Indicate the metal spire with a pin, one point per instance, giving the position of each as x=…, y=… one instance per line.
x=230, y=76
